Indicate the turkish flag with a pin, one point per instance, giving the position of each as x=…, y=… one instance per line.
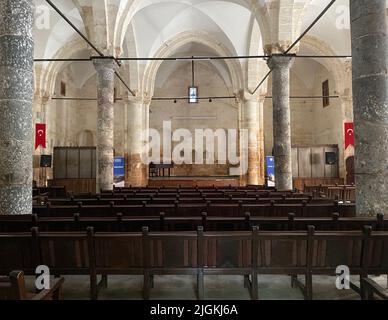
x=40, y=135
x=349, y=134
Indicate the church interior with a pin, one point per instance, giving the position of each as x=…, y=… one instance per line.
x=195, y=150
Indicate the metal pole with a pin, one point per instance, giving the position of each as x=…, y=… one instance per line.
x=195, y=59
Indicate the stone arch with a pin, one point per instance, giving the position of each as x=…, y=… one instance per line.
x=255, y=69
x=337, y=67
x=234, y=66
x=85, y=138
x=127, y=12
x=48, y=73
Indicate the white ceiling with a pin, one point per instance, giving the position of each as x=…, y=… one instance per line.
x=155, y=22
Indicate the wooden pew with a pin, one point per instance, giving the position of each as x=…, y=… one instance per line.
x=114, y=254
x=246, y=253
x=372, y=289
x=279, y=253
x=165, y=222
x=13, y=287
x=375, y=260
x=169, y=253
x=328, y=250
x=65, y=253
x=223, y=253
x=19, y=251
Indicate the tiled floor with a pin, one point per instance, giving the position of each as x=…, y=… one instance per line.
x=216, y=288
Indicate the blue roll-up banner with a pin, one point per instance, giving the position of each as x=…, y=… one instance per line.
x=119, y=172
x=270, y=164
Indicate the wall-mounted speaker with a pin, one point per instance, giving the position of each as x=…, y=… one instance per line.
x=46, y=161
x=331, y=158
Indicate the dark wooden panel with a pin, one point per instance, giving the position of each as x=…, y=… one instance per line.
x=299, y=183
x=76, y=185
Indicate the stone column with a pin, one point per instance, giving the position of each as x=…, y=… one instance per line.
x=251, y=117
x=16, y=98
x=134, y=163
x=105, y=122
x=146, y=133
x=260, y=140
x=280, y=66
x=370, y=104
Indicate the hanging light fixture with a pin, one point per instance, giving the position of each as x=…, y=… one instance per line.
x=193, y=90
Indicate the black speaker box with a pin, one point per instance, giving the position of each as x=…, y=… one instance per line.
x=331, y=158
x=46, y=161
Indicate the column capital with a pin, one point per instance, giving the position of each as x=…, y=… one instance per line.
x=102, y=63
x=281, y=61
x=44, y=98
x=346, y=97
x=134, y=99
x=246, y=96
x=138, y=99
x=280, y=47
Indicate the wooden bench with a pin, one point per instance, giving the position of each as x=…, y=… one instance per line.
x=245, y=253
x=13, y=287
x=168, y=253
x=114, y=254
x=224, y=253
x=372, y=289
x=191, y=209
x=165, y=222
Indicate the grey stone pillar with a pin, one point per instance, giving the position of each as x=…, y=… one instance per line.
x=280, y=66
x=251, y=108
x=370, y=104
x=105, y=122
x=134, y=165
x=260, y=140
x=16, y=98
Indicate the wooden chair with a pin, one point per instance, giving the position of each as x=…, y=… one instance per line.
x=13, y=287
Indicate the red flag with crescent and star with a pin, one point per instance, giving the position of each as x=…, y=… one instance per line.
x=40, y=135
x=349, y=134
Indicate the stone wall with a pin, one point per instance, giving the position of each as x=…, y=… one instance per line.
x=73, y=123
x=219, y=114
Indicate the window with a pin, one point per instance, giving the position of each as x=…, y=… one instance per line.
x=325, y=93
x=193, y=95
x=63, y=89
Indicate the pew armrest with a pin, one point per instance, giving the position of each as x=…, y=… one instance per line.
x=51, y=294
x=372, y=288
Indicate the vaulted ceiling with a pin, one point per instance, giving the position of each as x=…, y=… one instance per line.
x=145, y=28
